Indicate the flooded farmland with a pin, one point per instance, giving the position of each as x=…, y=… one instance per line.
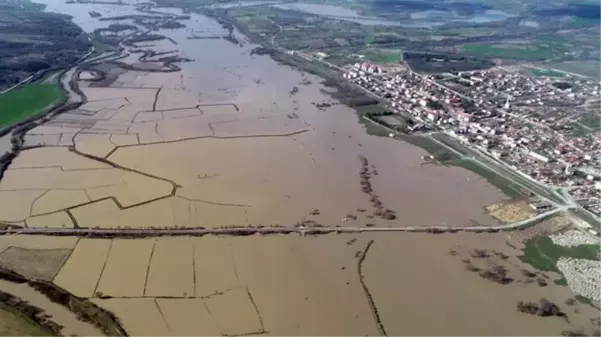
x=325, y=285
x=228, y=141
x=225, y=141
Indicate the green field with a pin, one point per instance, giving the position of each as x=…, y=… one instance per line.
x=372, y=128
x=439, y=152
x=370, y=109
x=535, y=52
x=542, y=254
x=382, y=56
x=591, y=120
x=453, y=144
x=100, y=48
x=585, y=68
x=340, y=60
x=578, y=131
x=29, y=100
x=546, y=72
x=12, y=323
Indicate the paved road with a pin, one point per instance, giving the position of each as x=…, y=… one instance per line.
x=116, y=232
x=274, y=35
x=18, y=84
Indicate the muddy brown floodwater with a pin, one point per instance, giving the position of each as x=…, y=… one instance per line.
x=223, y=142
x=404, y=284
x=226, y=141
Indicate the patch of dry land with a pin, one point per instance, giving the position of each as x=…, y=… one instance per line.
x=364, y=284
x=222, y=142
x=40, y=264
x=510, y=211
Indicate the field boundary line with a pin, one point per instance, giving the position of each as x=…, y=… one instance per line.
x=65, y=262
x=194, y=268
x=156, y=303
x=148, y=266
x=108, y=254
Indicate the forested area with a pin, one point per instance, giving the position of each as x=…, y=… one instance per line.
x=32, y=40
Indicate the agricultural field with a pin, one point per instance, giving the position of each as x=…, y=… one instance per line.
x=590, y=121
x=579, y=130
x=28, y=101
x=88, y=255
x=438, y=151
x=382, y=56
x=12, y=323
x=342, y=56
x=330, y=284
x=41, y=242
x=214, y=271
x=171, y=269
x=34, y=263
x=545, y=72
x=527, y=52
x=585, y=68
x=365, y=110
x=100, y=47
x=126, y=268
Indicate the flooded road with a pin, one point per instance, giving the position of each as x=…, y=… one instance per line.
x=240, y=140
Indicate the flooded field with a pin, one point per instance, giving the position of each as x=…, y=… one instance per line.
x=126, y=268
x=171, y=270
x=229, y=141
x=89, y=255
x=224, y=141
x=328, y=285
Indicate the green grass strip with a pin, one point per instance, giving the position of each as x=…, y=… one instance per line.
x=27, y=101
x=542, y=254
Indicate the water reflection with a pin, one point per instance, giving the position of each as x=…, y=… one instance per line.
x=337, y=12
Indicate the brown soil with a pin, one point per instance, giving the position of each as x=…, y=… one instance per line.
x=510, y=211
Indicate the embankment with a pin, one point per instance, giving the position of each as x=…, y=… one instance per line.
x=83, y=309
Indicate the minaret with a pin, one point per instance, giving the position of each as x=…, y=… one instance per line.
x=568, y=171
